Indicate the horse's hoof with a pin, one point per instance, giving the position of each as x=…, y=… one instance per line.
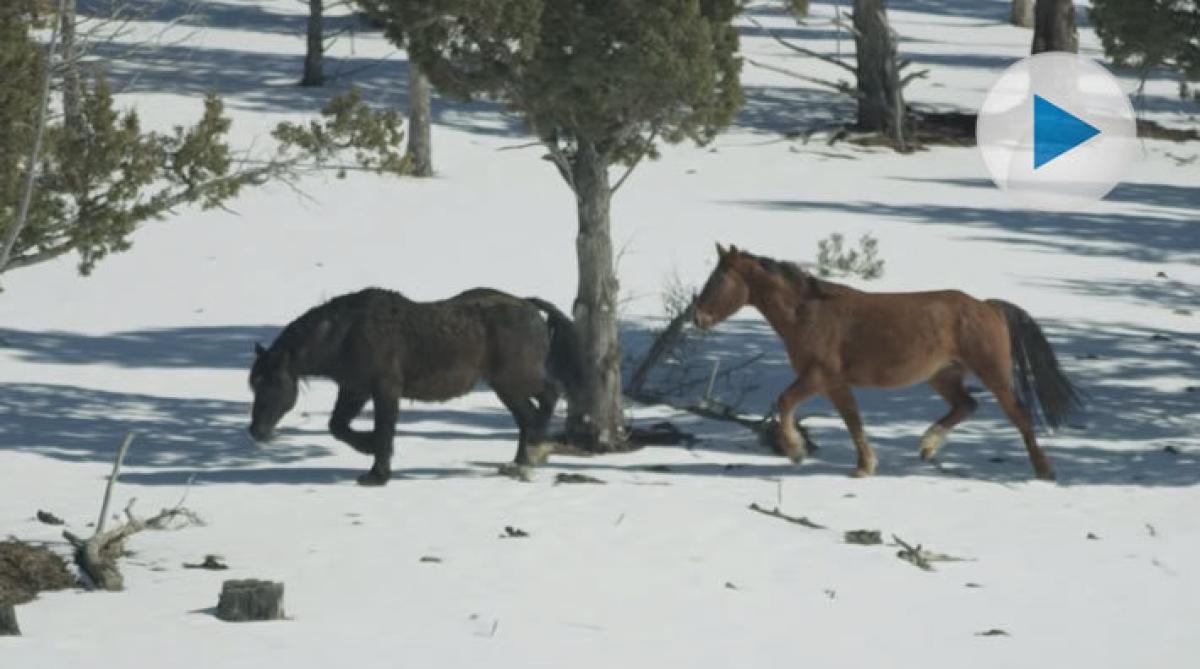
x=931, y=442
x=372, y=480
x=515, y=471
x=1047, y=475
x=863, y=472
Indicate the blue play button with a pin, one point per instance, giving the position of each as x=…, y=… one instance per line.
x=1056, y=131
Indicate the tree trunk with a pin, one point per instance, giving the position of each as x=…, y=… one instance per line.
x=250, y=600
x=314, y=69
x=1054, y=27
x=72, y=86
x=881, y=100
x=420, y=145
x=1022, y=13
x=595, y=421
x=8, y=621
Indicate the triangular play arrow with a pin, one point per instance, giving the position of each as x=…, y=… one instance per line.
x=1056, y=131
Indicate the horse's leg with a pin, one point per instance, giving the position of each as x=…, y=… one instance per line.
x=387, y=409
x=349, y=404
x=949, y=384
x=843, y=400
x=1001, y=387
x=793, y=442
x=526, y=417
x=546, y=400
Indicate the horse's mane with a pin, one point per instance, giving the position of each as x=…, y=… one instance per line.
x=795, y=275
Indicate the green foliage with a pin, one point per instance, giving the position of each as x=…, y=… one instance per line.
x=833, y=258
x=349, y=124
x=1145, y=34
x=614, y=73
x=98, y=182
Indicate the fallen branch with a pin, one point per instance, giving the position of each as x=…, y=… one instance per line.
x=920, y=557
x=97, y=556
x=776, y=513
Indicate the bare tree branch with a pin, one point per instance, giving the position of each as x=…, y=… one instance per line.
x=799, y=49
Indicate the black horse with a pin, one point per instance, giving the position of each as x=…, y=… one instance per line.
x=378, y=345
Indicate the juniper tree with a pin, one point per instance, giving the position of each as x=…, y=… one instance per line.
x=1148, y=34
x=600, y=83
x=93, y=183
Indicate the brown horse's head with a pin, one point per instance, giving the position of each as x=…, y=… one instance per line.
x=725, y=292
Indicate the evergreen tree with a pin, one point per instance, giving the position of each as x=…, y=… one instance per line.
x=98, y=178
x=1146, y=34
x=599, y=82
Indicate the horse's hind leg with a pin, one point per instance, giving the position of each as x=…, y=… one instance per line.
x=949, y=384
x=843, y=400
x=527, y=419
x=537, y=446
x=1019, y=415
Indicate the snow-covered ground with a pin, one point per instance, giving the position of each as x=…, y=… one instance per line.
x=665, y=565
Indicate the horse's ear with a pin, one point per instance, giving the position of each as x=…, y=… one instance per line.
x=721, y=252
x=733, y=250
x=259, y=351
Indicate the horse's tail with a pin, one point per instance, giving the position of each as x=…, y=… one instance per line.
x=565, y=360
x=1037, y=379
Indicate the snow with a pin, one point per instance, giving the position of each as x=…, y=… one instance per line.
x=634, y=572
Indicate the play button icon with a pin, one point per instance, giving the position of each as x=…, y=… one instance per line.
x=1056, y=131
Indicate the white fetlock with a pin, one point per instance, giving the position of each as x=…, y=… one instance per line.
x=932, y=441
x=539, y=453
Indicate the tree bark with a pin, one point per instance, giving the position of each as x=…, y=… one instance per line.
x=8, y=621
x=881, y=99
x=314, y=69
x=72, y=85
x=1022, y=13
x=420, y=143
x=594, y=420
x=250, y=600
x=1054, y=27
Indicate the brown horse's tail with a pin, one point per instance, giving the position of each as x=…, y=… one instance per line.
x=565, y=360
x=1039, y=382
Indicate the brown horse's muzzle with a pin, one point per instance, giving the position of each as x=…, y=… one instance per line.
x=702, y=320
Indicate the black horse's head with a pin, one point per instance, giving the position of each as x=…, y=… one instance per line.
x=275, y=390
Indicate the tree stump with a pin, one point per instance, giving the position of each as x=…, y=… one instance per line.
x=250, y=599
x=8, y=621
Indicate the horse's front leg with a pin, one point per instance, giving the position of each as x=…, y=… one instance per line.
x=349, y=404
x=387, y=410
x=792, y=442
x=843, y=400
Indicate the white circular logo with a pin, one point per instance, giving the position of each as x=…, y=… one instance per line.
x=1056, y=131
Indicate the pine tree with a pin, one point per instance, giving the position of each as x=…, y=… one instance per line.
x=1147, y=34
x=599, y=82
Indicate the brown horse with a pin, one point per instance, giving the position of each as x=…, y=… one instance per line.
x=838, y=337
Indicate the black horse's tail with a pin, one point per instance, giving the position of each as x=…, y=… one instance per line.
x=1037, y=378
x=565, y=360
